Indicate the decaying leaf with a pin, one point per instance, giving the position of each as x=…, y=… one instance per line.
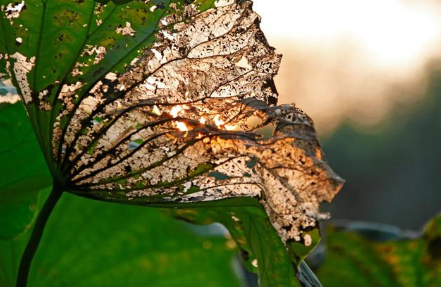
x=189, y=115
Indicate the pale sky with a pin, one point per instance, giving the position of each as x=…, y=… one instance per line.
x=351, y=58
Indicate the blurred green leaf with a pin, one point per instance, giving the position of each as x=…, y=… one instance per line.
x=92, y=243
x=23, y=175
x=11, y=249
x=23, y=172
x=260, y=246
x=361, y=256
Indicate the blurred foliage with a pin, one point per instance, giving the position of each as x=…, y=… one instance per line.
x=22, y=173
x=391, y=170
x=90, y=243
x=366, y=255
x=260, y=247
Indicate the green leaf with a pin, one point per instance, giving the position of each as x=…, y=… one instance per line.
x=11, y=249
x=22, y=172
x=91, y=243
x=370, y=256
x=260, y=247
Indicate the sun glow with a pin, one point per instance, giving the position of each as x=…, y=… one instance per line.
x=352, y=59
x=389, y=31
x=182, y=126
x=180, y=110
x=220, y=123
x=156, y=110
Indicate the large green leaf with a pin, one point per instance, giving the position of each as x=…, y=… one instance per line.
x=169, y=104
x=365, y=255
x=91, y=243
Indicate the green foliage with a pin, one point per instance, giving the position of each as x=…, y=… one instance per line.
x=366, y=255
x=91, y=243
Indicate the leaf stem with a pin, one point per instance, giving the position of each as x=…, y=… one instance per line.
x=37, y=232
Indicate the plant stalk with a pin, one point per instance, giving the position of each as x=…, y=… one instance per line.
x=37, y=233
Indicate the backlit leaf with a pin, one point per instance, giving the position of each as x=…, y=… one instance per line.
x=165, y=104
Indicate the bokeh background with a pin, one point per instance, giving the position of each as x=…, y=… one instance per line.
x=369, y=74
